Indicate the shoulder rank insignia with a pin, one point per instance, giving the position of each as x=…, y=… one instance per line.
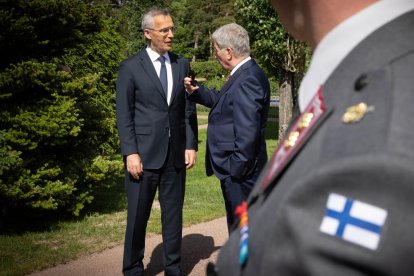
x=299, y=131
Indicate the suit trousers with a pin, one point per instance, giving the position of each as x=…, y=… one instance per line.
x=235, y=191
x=170, y=183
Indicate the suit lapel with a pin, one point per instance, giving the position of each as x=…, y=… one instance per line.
x=148, y=67
x=175, y=75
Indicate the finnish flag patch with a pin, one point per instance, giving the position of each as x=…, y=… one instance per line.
x=353, y=221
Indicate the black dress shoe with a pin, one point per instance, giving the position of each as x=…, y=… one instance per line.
x=211, y=269
x=178, y=273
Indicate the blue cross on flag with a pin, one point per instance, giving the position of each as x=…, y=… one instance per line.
x=353, y=221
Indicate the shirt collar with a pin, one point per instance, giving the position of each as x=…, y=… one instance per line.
x=240, y=64
x=154, y=55
x=339, y=42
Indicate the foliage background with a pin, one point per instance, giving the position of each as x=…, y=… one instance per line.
x=57, y=129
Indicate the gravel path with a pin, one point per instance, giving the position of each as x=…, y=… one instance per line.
x=201, y=243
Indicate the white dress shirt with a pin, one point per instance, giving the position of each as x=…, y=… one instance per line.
x=339, y=42
x=239, y=65
x=157, y=65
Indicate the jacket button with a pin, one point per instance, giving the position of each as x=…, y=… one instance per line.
x=361, y=82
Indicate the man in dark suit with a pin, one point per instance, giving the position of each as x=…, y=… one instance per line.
x=337, y=196
x=236, y=147
x=157, y=128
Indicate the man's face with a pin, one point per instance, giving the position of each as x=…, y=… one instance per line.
x=161, y=35
x=222, y=56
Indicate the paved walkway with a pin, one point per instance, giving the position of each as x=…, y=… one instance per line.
x=201, y=243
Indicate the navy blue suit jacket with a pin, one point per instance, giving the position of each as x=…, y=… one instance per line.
x=237, y=122
x=145, y=121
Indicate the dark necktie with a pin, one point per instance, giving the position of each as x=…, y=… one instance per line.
x=163, y=76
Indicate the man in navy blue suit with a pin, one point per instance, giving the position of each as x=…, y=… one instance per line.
x=236, y=147
x=157, y=128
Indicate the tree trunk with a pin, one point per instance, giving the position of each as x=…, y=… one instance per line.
x=286, y=99
x=195, y=47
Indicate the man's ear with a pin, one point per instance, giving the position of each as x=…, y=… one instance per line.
x=147, y=34
x=229, y=52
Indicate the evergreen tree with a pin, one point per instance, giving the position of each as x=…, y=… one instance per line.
x=58, y=139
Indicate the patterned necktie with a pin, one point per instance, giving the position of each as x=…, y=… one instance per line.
x=163, y=76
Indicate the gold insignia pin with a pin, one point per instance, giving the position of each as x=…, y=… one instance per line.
x=355, y=113
x=292, y=139
x=305, y=120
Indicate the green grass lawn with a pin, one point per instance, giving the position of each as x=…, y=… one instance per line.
x=41, y=243
x=202, y=121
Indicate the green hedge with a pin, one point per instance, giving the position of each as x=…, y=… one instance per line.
x=208, y=69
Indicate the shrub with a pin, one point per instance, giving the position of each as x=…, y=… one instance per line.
x=208, y=69
x=57, y=121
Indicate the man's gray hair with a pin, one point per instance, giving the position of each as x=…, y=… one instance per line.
x=147, y=19
x=233, y=36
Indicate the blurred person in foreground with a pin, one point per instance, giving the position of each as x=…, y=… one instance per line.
x=236, y=146
x=157, y=128
x=337, y=196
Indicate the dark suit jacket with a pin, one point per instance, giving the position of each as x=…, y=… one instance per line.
x=237, y=122
x=144, y=118
x=371, y=161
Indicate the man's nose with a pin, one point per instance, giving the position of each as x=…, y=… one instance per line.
x=170, y=33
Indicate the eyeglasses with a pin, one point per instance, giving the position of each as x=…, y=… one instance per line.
x=164, y=31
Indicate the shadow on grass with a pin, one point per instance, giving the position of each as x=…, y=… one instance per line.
x=107, y=199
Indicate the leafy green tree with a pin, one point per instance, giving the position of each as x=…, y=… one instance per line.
x=198, y=19
x=58, y=139
x=194, y=20
x=281, y=55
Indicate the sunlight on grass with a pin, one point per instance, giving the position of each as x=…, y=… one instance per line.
x=62, y=242
x=202, y=121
